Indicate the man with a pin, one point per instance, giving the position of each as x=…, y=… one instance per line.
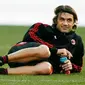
x=43, y=46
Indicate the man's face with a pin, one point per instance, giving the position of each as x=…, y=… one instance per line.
x=65, y=22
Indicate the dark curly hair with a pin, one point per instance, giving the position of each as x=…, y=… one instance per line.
x=68, y=9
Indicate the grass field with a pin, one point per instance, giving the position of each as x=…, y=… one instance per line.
x=9, y=35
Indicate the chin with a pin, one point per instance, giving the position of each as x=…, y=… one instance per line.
x=65, y=31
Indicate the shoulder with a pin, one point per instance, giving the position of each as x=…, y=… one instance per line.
x=78, y=37
x=41, y=24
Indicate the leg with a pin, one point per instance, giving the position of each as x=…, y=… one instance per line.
x=43, y=68
x=24, y=54
x=29, y=54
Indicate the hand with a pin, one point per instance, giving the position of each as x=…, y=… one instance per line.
x=64, y=52
x=67, y=65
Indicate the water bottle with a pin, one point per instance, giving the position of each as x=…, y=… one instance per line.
x=62, y=60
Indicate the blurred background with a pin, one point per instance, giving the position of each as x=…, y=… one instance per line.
x=25, y=12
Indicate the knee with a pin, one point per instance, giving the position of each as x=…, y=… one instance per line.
x=49, y=69
x=44, y=51
x=45, y=68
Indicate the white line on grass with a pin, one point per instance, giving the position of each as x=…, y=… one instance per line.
x=63, y=81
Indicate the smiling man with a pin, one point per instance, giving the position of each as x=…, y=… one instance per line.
x=65, y=22
x=43, y=46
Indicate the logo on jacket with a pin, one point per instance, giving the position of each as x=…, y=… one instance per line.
x=73, y=42
x=55, y=37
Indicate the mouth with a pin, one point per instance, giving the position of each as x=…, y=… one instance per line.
x=64, y=28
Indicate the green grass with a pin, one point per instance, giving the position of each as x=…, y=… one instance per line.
x=9, y=35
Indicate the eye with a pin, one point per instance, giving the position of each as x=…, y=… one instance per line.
x=69, y=20
x=62, y=19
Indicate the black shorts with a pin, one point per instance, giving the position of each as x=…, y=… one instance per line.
x=19, y=46
x=53, y=59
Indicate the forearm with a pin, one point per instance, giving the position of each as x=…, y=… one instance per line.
x=77, y=67
x=61, y=52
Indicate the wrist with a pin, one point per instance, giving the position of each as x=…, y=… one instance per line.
x=53, y=50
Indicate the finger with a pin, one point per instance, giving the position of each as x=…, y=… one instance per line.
x=67, y=61
x=69, y=55
x=67, y=67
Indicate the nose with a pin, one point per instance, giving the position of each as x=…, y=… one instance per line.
x=65, y=22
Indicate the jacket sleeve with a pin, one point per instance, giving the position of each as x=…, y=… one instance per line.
x=77, y=61
x=39, y=33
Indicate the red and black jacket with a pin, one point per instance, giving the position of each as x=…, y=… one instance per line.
x=53, y=38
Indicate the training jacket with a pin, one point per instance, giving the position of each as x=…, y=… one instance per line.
x=54, y=39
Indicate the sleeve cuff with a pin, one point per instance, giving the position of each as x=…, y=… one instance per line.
x=76, y=68
x=53, y=50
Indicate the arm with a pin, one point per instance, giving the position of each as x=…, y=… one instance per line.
x=39, y=33
x=44, y=34
x=75, y=63
x=77, y=60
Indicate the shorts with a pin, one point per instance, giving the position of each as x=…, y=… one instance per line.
x=53, y=59
x=19, y=46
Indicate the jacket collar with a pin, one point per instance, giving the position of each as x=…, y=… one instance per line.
x=61, y=33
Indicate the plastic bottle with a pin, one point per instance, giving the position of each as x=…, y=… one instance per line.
x=62, y=60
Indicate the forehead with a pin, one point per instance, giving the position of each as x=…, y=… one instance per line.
x=65, y=15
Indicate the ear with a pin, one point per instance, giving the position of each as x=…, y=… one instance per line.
x=75, y=25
